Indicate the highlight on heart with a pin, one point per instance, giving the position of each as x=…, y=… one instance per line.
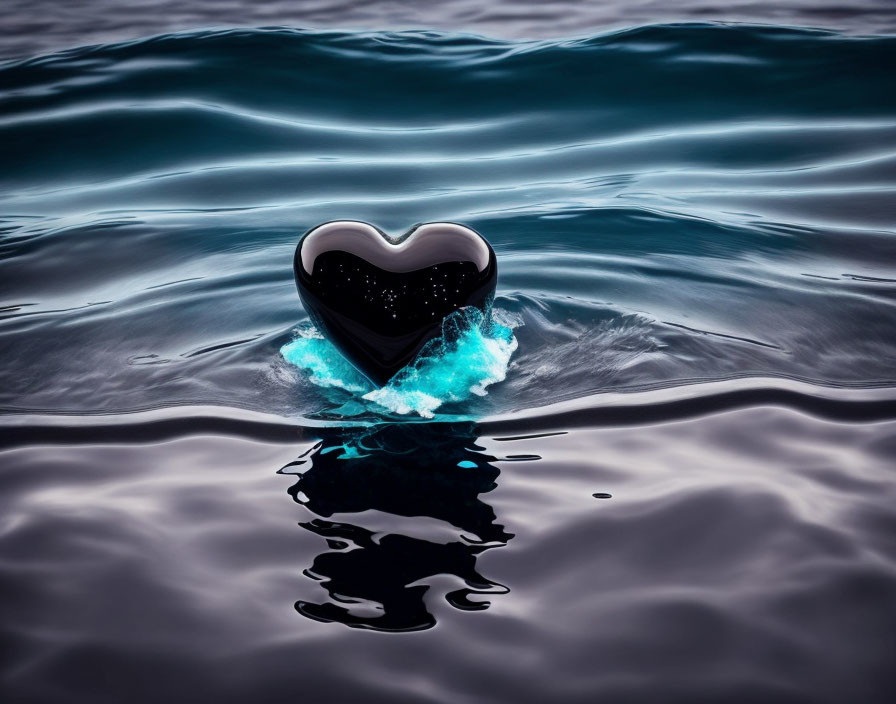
x=406, y=323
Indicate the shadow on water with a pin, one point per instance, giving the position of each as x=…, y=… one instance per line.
x=378, y=578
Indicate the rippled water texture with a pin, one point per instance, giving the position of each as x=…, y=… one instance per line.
x=36, y=26
x=677, y=483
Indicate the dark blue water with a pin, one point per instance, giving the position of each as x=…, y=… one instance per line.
x=670, y=479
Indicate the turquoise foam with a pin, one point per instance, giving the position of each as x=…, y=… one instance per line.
x=472, y=352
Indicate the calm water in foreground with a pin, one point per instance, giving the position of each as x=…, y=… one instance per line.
x=678, y=483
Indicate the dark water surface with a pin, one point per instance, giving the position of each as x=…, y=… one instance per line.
x=38, y=26
x=678, y=484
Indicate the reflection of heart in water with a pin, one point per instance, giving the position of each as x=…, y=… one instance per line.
x=376, y=579
x=381, y=300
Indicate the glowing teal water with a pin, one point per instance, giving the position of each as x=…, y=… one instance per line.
x=472, y=352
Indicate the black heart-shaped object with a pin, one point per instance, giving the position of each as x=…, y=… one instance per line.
x=379, y=300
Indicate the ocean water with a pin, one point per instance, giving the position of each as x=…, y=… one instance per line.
x=661, y=469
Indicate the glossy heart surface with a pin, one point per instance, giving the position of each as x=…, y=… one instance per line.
x=380, y=300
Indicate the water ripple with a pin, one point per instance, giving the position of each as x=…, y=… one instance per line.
x=679, y=485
